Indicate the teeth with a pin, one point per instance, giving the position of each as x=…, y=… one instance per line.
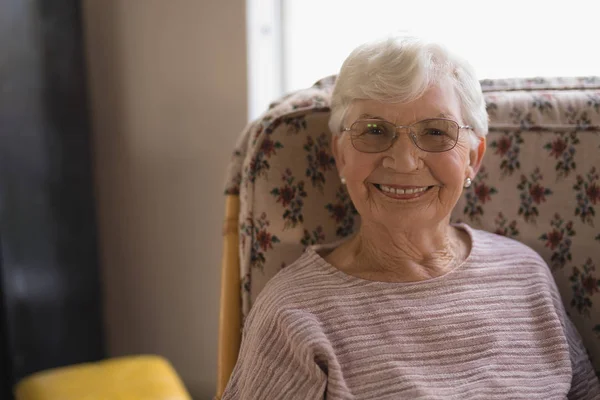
x=402, y=191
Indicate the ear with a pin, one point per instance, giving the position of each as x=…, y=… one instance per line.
x=476, y=157
x=336, y=150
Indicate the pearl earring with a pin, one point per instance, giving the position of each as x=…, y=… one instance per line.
x=343, y=180
x=468, y=182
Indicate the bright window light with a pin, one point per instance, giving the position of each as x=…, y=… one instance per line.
x=510, y=38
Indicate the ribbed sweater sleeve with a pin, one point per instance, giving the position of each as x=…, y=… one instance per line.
x=275, y=359
x=585, y=384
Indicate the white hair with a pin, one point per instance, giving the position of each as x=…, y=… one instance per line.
x=400, y=70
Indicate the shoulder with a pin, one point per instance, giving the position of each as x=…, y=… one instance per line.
x=510, y=255
x=508, y=260
x=498, y=247
x=294, y=291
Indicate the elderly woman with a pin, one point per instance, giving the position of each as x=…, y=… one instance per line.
x=411, y=306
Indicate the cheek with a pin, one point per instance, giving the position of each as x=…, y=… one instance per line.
x=358, y=166
x=449, y=169
x=357, y=170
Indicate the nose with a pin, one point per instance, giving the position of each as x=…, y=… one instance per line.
x=403, y=155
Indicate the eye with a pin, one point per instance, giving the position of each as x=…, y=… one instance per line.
x=375, y=129
x=435, y=132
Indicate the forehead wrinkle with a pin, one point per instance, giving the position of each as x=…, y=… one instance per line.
x=445, y=115
x=442, y=112
x=415, y=119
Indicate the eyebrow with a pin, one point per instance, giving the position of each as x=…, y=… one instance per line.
x=369, y=116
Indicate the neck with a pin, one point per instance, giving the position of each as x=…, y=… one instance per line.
x=406, y=254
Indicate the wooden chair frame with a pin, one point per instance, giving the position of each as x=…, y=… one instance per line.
x=230, y=315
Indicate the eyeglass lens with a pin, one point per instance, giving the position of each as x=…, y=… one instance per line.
x=433, y=135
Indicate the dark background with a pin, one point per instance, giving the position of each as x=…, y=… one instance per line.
x=50, y=300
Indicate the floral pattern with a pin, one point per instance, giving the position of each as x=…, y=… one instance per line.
x=542, y=84
x=508, y=148
x=504, y=228
x=559, y=241
x=578, y=118
x=260, y=164
x=290, y=196
x=562, y=148
x=594, y=101
x=478, y=196
x=584, y=284
x=314, y=237
x=320, y=161
x=342, y=212
x=588, y=194
x=522, y=118
x=491, y=108
x=532, y=194
x=295, y=124
x=543, y=103
x=538, y=184
x=264, y=239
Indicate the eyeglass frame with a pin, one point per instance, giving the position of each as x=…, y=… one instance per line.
x=411, y=133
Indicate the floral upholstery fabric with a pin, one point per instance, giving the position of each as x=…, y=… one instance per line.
x=539, y=184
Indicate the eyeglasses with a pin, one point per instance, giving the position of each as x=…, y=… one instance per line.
x=432, y=135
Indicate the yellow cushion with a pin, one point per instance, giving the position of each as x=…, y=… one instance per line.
x=131, y=378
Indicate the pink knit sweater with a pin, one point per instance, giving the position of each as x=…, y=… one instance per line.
x=492, y=328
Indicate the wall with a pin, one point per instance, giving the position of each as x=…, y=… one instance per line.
x=49, y=273
x=168, y=97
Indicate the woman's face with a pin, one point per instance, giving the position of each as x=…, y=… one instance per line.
x=435, y=179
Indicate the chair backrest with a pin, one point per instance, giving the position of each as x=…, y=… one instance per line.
x=539, y=184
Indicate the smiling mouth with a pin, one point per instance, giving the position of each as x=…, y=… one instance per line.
x=402, y=193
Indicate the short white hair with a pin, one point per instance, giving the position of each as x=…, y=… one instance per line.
x=400, y=70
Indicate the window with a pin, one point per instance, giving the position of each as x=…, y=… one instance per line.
x=293, y=43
